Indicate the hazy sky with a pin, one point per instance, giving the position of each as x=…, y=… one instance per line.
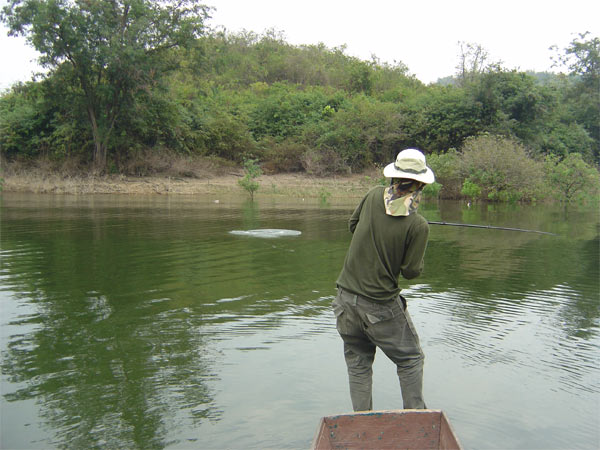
x=423, y=34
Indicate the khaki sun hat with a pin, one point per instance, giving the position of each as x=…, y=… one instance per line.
x=410, y=163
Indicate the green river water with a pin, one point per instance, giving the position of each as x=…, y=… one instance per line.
x=142, y=322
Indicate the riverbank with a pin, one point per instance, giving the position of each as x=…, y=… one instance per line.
x=295, y=185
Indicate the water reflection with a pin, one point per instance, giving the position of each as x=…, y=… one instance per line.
x=142, y=323
x=107, y=370
x=125, y=305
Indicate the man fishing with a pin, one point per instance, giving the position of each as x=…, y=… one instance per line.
x=389, y=239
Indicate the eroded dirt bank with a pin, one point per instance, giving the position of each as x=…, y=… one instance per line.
x=295, y=185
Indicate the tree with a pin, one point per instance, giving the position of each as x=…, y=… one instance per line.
x=509, y=102
x=360, y=78
x=571, y=177
x=582, y=59
x=251, y=172
x=472, y=61
x=441, y=118
x=108, y=51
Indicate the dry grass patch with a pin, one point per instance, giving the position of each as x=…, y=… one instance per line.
x=180, y=175
x=170, y=164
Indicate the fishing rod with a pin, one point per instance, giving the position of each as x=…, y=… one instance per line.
x=471, y=225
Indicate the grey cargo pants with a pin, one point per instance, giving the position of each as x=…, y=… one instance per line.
x=365, y=325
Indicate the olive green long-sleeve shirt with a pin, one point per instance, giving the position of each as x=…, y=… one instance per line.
x=383, y=247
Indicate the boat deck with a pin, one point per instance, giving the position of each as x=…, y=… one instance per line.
x=401, y=429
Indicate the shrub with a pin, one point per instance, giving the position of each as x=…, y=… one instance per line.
x=283, y=156
x=323, y=162
x=226, y=136
x=470, y=190
x=362, y=132
x=31, y=124
x=283, y=109
x=252, y=171
x=502, y=168
x=446, y=167
x=432, y=190
x=324, y=195
x=571, y=179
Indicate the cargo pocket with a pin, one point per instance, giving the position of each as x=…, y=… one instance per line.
x=402, y=302
x=338, y=311
x=383, y=313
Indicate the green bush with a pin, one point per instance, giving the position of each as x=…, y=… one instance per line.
x=471, y=190
x=502, y=168
x=324, y=195
x=283, y=156
x=432, y=190
x=362, y=132
x=446, y=167
x=313, y=108
x=227, y=137
x=37, y=120
x=25, y=122
x=251, y=172
x=571, y=179
x=281, y=110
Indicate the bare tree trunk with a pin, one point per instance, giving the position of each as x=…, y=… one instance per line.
x=99, y=156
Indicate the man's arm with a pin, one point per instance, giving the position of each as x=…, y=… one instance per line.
x=413, y=263
x=353, y=221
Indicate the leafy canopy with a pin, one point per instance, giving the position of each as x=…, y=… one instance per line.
x=107, y=51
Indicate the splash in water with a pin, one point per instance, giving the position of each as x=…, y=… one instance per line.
x=266, y=233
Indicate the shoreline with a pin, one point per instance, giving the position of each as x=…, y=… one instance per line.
x=291, y=185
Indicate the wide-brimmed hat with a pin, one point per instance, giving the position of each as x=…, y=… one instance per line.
x=410, y=163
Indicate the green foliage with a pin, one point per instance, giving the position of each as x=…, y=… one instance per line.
x=251, y=172
x=471, y=190
x=582, y=57
x=148, y=89
x=106, y=52
x=432, y=190
x=281, y=110
x=571, y=179
x=360, y=78
x=508, y=100
x=34, y=121
x=564, y=138
x=446, y=167
x=324, y=195
x=240, y=60
x=496, y=168
x=282, y=156
x=22, y=124
x=362, y=132
x=441, y=118
x=226, y=136
x=579, y=95
x=501, y=168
